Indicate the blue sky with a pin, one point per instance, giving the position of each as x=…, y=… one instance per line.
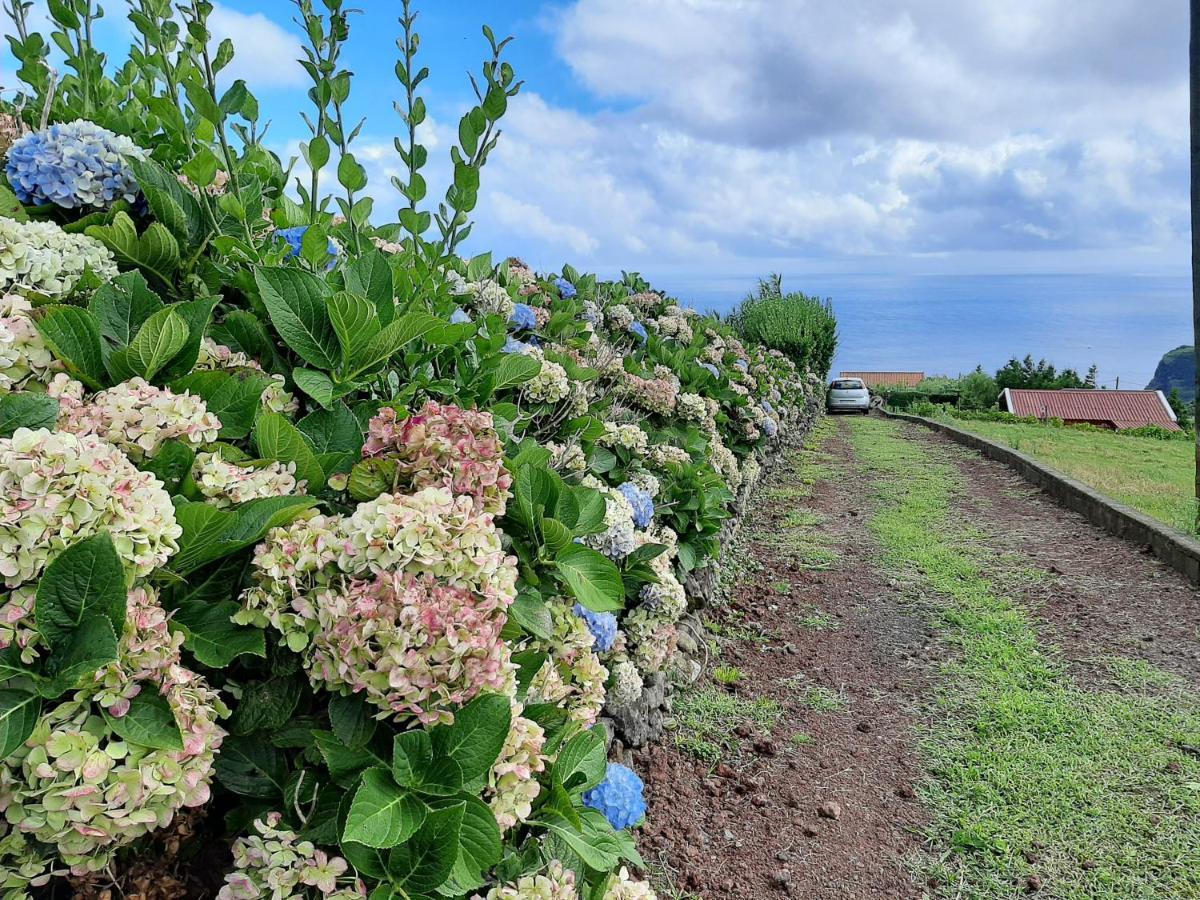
x=735, y=137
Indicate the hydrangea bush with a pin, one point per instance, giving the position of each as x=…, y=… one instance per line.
x=312, y=518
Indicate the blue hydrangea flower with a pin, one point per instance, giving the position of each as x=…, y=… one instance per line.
x=709, y=367
x=637, y=328
x=522, y=318
x=73, y=165
x=602, y=625
x=768, y=408
x=770, y=427
x=642, y=503
x=295, y=238
x=619, y=797
x=742, y=364
x=459, y=317
x=565, y=288
x=591, y=313
x=512, y=345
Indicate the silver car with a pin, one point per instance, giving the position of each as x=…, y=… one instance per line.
x=849, y=395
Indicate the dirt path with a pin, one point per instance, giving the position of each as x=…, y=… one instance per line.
x=797, y=761
x=824, y=639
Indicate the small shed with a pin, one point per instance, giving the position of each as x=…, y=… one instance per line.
x=888, y=379
x=1104, y=409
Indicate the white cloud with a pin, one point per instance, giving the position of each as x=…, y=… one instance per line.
x=746, y=130
x=267, y=52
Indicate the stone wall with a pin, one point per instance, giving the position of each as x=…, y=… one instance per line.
x=637, y=724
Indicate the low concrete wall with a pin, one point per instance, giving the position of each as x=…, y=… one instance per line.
x=1176, y=549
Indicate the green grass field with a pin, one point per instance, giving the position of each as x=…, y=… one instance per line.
x=1153, y=476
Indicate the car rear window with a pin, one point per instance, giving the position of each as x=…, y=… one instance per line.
x=847, y=384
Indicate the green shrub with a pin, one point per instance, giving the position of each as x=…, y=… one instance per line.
x=977, y=391
x=802, y=327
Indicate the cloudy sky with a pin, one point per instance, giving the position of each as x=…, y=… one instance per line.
x=730, y=137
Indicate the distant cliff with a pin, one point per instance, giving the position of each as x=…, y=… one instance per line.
x=1176, y=369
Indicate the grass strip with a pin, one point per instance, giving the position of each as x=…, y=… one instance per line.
x=1034, y=783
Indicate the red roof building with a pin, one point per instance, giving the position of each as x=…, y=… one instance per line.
x=1105, y=409
x=887, y=379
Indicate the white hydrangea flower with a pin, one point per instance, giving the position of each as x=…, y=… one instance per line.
x=551, y=384
x=42, y=257
x=228, y=484
x=58, y=488
x=627, y=685
x=625, y=887
x=24, y=356
x=138, y=418
x=556, y=883
x=630, y=437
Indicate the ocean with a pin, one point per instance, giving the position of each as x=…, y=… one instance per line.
x=948, y=324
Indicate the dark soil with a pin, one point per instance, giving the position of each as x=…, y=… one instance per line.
x=752, y=826
x=834, y=817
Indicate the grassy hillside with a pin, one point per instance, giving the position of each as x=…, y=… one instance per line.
x=1148, y=474
x=1177, y=369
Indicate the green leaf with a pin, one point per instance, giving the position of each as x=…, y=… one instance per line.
x=150, y=722
x=594, y=579
x=592, y=508
x=19, y=711
x=582, y=763
x=533, y=615
x=333, y=430
x=370, y=276
x=594, y=844
x=73, y=336
x=162, y=336
x=266, y=706
x=196, y=314
x=391, y=340
x=243, y=332
x=555, y=535
x=172, y=204
x=251, y=767
x=479, y=846
x=155, y=252
x=25, y=410
x=382, y=814
x=212, y=637
x=514, y=369
x=423, y=864
x=345, y=763
x=172, y=464
x=92, y=645
x=372, y=477
x=84, y=582
x=356, y=323
x=10, y=206
x=477, y=736
x=315, y=384
x=277, y=438
x=351, y=175
x=122, y=306
x=415, y=766
x=296, y=303
x=352, y=721
x=210, y=534
x=233, y=396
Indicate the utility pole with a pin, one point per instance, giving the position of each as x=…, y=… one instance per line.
x=1194, y=119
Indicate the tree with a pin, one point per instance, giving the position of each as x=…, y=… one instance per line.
x=1042, y=374
x=977, y=390
x=1180, y=408
x=1092, y=377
